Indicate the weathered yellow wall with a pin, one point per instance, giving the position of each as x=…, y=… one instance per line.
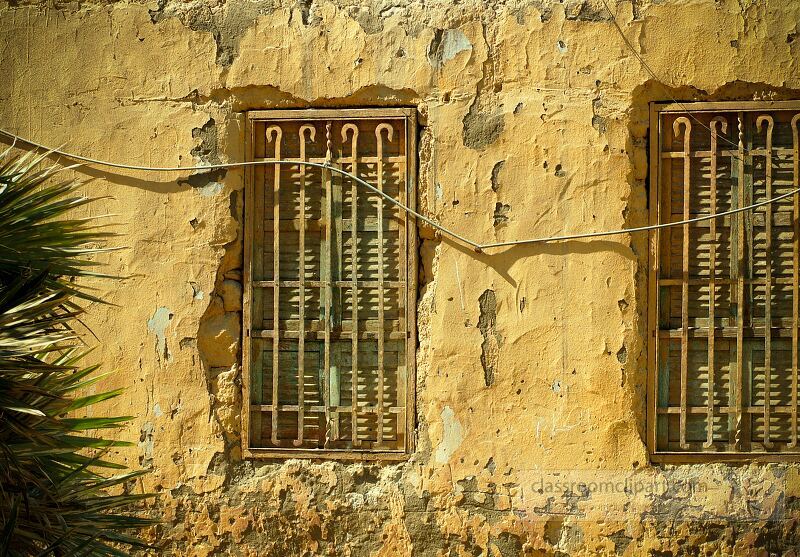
x=534, y=105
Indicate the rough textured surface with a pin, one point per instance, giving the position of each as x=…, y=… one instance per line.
x=535, y=106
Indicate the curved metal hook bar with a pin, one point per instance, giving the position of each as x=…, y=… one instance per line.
x=302, y=133
x=353, y=143
x=389, y=131
x=276, y=131
x=687, y=127
x=719, y=120
x=353, y=128
x=307, y=128
x=770, y=121
x=715, y=133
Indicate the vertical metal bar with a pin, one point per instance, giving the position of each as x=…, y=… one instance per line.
x=712, y=290
x=301, y=337
x=664, y=372
x=749, y=296
x=326, y=265
x=275, y=133
x=259, y=256
x=411, y=277
x=353, y=278
x=247, y=297
x=733, y=266
x=336, y=246
x=685, y=266
x=760, y=121
x=653, y=277
x=795, y=272
x=403, y=356
x=740, y=278
x=381, y=382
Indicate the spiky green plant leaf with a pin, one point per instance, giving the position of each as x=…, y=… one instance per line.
x=55, y=498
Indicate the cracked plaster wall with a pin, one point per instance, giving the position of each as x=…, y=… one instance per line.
x=535, y=123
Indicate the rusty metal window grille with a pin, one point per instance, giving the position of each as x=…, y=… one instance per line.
x=330, y=283
x=723, y=311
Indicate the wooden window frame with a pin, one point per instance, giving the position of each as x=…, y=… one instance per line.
x=409, y=115
x=655, y=150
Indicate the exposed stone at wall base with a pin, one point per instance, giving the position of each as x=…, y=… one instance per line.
x=300, y=508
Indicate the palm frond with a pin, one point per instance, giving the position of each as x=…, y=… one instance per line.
x=55, y=496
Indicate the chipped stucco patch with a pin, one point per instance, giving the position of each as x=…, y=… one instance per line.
x=157, y=325
x=452, y=436
x=211, y=189
x=446, y=44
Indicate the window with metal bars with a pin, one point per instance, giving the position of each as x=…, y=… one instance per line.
x=330, y=283
x=723, y=293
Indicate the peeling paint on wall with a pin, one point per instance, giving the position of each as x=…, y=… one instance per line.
x=146, y=445
x=452, y=436
x=445, y=45
x=211, y=189
x=157, y=325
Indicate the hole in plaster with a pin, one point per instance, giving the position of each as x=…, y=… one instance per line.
x=501, y=211
x=498, y=166
x=622, y=354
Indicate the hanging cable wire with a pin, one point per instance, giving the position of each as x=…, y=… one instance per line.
x=444, y=230
x=370, y=187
